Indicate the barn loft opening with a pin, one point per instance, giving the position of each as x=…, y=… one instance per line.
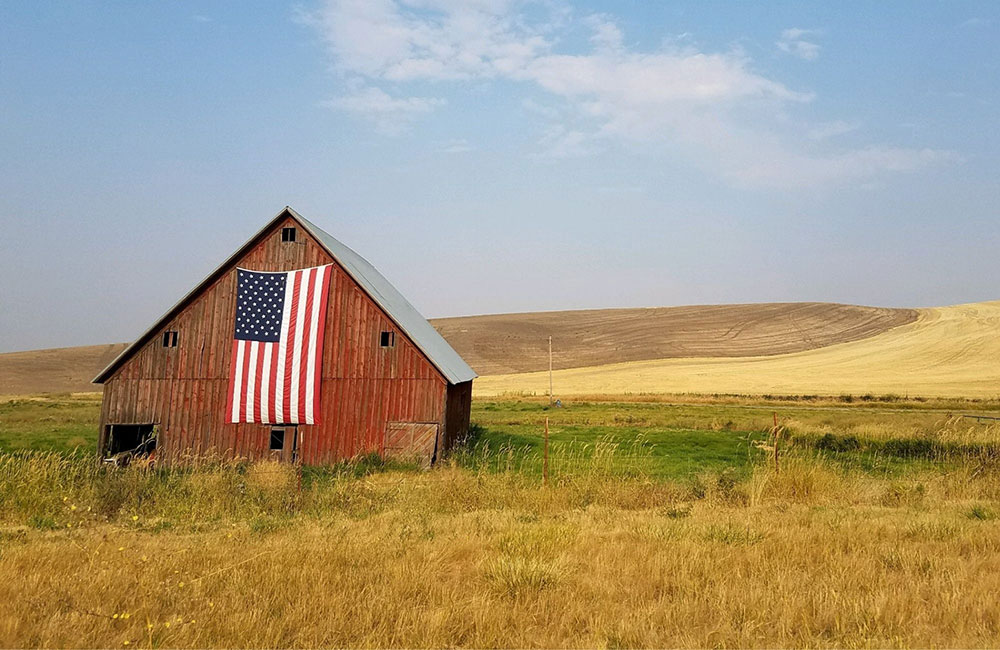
x=170, y=339
x=387, y=339
x=288, y=234
x=126, y=442
x=277, y=439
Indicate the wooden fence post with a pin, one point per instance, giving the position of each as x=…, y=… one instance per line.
x=545, y=454
x=777, y=434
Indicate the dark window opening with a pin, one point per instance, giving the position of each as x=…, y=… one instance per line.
x=387, y=339
x=288, y=234
x=126, y=442
x=170, y=339
x=277, y=439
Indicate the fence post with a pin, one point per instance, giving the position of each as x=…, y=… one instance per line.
x=545, y=455
x=776, y=436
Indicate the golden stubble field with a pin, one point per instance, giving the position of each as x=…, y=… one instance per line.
x=450, y=558
x=946, y=352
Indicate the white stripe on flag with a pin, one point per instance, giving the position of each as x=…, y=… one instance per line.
x=237, y=384
x=315, y=292
x=265, y=383
x=252, y=380
x=279, y=381
x=297, y=344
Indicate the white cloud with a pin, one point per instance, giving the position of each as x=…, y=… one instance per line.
x=828, y=130
x=458, y=145
x=784, y=169
x=793, y=42
x=607, y=36
x=976, y=21
x=390, y=114
x=714, y=108
x=562, y=142
x=536, y=108
x=427, y=39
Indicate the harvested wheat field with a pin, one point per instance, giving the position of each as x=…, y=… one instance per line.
x=513, y=343
x=945, y=352
x=57, y=370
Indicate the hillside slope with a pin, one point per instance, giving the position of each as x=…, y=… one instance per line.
x=513, y=343
x=58, y=370
x=946, y=352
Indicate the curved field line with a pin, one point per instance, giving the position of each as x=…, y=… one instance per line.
x=946, y=352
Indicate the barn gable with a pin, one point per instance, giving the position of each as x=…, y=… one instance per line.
x=370, y=393
x=454, y=369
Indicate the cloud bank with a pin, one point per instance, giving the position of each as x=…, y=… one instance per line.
x=713, y=108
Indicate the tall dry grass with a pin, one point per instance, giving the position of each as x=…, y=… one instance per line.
x=229, y=555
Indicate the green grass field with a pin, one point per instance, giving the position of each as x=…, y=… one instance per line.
x=61, y=423
x=658, y=440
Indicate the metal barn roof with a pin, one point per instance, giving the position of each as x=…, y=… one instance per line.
x=422, y=333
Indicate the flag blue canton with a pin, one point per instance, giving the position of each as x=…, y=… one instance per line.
x=260, y=303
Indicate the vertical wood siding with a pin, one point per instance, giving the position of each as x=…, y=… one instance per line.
x=364, y=386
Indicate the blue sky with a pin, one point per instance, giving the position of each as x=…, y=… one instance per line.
x=493, y=156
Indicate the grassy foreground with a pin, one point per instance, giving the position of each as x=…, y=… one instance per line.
x=880, y=529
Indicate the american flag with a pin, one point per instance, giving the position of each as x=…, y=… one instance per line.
x=278, y=346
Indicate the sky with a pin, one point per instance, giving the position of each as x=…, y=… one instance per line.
x=493, y=156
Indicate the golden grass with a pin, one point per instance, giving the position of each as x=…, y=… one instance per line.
x=806, y=557
x=947, y=352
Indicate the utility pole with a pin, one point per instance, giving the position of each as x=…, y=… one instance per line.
x=550, y=371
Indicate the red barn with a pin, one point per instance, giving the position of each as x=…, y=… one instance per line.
x=386, y=381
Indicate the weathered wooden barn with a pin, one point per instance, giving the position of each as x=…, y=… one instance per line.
x=389, y=383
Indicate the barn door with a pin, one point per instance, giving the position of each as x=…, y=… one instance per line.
x=411, y=441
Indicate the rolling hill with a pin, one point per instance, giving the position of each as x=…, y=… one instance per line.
x=515, y=343
x=59, y=370
x=945, y=352
x=503, y=344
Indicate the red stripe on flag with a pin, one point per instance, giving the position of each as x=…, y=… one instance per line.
x=286, y=414
x=324, y=293
x=306, y=335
